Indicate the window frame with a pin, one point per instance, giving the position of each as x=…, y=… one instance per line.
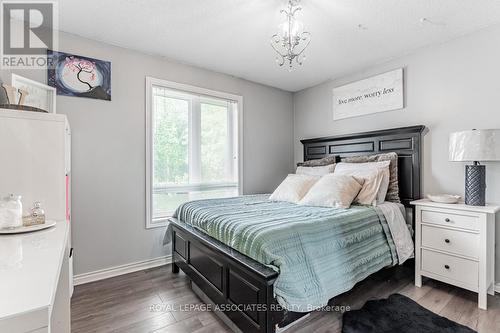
x=189, y=89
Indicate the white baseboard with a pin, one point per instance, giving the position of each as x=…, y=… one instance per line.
x=120, y=270
x=497, y=287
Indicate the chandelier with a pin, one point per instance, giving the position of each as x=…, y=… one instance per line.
x=291, y=42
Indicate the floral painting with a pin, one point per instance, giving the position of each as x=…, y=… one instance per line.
x=79, y=76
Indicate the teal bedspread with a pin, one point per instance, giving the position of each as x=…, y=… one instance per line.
x=318, y=252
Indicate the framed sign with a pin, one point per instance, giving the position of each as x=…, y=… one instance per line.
x=35, y=94
x=383, y=92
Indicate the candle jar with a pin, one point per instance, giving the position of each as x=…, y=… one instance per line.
x=11, y=212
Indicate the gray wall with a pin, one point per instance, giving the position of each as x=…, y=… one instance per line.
x=449, y=87
x=109, y=150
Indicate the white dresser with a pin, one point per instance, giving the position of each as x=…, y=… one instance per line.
x=455, y=243
x=35, y=283
x=36, y=161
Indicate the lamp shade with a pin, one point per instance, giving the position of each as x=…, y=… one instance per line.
x=475, y=145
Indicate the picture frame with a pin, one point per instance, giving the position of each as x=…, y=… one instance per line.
x=40, y=95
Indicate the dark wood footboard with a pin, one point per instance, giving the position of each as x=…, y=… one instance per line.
x=240, y=286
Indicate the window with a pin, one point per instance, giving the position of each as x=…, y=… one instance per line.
x=192, y=146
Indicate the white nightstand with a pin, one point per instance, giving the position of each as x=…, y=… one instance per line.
x=455, y=243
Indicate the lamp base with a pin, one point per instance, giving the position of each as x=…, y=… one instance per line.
x=475, y=185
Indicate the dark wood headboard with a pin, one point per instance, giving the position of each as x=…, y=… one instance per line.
x=405, y=141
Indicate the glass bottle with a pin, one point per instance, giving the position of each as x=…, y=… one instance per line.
x=38, y=213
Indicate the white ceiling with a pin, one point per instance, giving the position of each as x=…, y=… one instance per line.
x=232, y=36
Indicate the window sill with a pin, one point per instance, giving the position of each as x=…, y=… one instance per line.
x=158, y=223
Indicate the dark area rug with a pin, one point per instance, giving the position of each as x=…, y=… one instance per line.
x=398, y=314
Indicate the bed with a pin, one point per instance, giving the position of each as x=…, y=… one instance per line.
x=230, y=272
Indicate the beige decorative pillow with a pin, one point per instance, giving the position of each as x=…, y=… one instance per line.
x=331, y=159
x=293, y=188
x=315, y=171
x=384, y=185
x=336, y=191
x=393, y=190
x=375, y=176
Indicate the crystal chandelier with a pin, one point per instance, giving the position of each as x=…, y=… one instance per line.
x=291, y=42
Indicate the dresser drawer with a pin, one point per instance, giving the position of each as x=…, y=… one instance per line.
x=454, y=268
x=454, y=241
x=450, y=219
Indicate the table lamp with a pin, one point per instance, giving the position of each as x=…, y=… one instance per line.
x=475, y=146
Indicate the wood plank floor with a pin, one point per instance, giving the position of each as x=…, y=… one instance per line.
x=152, y=300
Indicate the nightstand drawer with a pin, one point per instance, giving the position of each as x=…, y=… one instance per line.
x=454, y=268
x=450, y=219
x=454, y=241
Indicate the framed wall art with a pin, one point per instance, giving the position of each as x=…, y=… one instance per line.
x=34, y=94
x=79, y=76
x=379, y=93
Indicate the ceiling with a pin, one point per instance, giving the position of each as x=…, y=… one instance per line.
x=232, y=36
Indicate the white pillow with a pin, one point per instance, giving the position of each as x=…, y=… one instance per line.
x=293, y=188
x=375, y=176
x=336, y=191
x=315, y=171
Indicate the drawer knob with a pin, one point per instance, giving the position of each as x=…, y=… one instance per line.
x=447, y=220
x=447, y=241
x=446, y=266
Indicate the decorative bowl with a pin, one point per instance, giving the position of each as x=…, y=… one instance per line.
x=444, y=198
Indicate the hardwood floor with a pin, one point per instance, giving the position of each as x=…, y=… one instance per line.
x=152, y=300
